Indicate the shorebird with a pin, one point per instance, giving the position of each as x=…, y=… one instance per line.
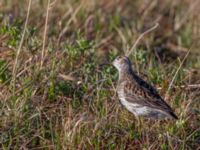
x=138, y=96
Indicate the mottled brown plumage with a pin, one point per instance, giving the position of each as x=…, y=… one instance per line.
x=138, y=96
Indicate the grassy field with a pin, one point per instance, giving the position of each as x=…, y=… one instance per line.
x=56, y=94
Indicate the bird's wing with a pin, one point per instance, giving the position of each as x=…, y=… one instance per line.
x=139, y=91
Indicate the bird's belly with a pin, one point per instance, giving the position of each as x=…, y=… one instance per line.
x=136, y=109
x=140, y=110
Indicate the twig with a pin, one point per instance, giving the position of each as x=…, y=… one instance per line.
x=195, y=131
x=192, y=86
x=44, y=36
x=187, y=87
x=140, y=37
x=105, y=40
x=123, y=38
x=66, y=77
x=14, y=72
x=184, y=18
x=52, y=3
x=69, y=22
x=177, y=71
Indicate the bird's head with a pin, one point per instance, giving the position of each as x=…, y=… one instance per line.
x=122, y=63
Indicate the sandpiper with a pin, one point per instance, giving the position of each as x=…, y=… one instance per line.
x=139, y=97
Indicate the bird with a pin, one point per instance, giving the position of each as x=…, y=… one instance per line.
x=137, y=95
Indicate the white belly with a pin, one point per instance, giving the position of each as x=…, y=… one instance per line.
x=140, y=110
x=136, y=109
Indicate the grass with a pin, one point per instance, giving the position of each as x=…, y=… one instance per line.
x=63, y=98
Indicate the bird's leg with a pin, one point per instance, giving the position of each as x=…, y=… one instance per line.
x=139, y=123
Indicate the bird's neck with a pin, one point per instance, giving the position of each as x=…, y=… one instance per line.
x=125, y=73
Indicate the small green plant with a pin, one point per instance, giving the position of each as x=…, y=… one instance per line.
x=4, y=72
x=13, y=31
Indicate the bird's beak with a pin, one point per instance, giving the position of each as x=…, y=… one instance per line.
x=105, y=64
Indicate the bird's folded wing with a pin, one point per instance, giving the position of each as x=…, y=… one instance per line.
x=144, y=94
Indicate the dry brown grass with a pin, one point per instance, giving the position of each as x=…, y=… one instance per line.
x=65, y=99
